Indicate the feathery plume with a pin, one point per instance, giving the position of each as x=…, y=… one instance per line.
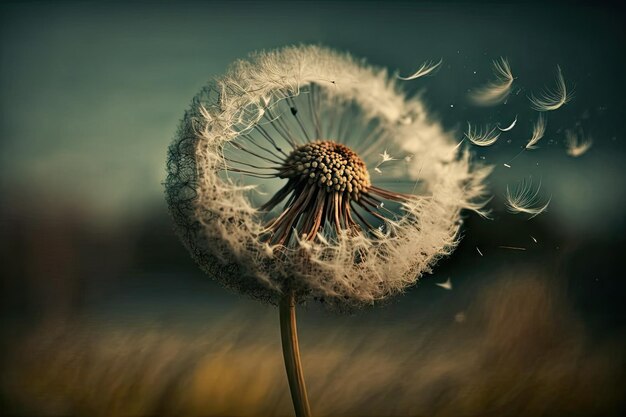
x=426, y=69
x=498, y=90
x=524, y=200
x=552, y=99
x=577, y=144
x=539, y=129
x=481, y=137
x=446, y=285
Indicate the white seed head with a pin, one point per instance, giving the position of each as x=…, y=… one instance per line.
x=298, y=128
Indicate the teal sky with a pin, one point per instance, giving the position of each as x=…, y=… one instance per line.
x=92, y=93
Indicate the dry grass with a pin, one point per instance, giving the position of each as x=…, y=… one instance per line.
x=518, y=351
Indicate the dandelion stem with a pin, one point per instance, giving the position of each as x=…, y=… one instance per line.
x=291, y=353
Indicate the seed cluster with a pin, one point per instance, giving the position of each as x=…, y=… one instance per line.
x=332, y=166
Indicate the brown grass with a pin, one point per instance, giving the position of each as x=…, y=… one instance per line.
x=519, y=351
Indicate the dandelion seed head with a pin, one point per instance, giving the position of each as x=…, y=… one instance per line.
x=270, y=189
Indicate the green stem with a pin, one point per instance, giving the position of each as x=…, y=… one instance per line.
x=291, y=353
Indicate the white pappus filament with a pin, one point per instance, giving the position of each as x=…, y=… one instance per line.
x=498, y=90
x=552, y=98
x=524, y=199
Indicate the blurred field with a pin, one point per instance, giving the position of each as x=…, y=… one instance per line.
x=516, y=350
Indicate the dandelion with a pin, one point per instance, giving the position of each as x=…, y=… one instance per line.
x=481, y=137
x=496, y=91
x=539, y=129
x=426, y=69
x=524, y=200
x=269, y=187
x=552, y=99
x=577, y=144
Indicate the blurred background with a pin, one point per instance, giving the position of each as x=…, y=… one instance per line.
x=104, y=312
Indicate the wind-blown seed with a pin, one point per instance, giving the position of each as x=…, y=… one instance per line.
x=577, y=144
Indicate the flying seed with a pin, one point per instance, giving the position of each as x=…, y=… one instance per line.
x=447, y=285
x=496, y=91
x=426, y=69
x=552, y=99
x=481, y=137
x=577, y=144
x=511, y=126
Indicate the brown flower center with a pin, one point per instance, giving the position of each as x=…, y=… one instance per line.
x=326, y=181
x=332, y=166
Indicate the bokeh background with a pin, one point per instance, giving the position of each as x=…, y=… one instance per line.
x=104, y=313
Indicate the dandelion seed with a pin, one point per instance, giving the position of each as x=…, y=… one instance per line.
x=447, y=285
x=479, y=252
x=539, y=129
x=512, y=247
x=524, y=200
x=480, y=137
x=496, y=91
x=426, y=69
x=385, y=157
x=511, y=126
x=552, y=99
x=577, y=144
